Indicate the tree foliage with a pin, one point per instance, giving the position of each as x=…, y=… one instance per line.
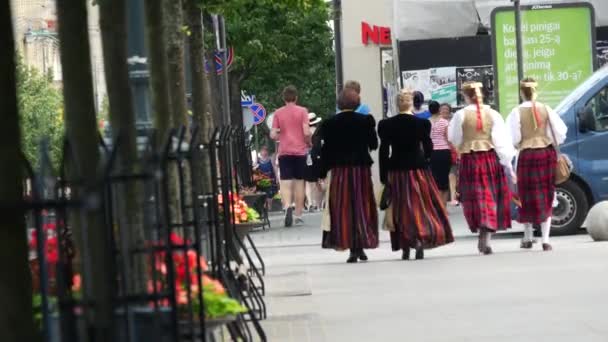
x=278, y=43
x=41, y=113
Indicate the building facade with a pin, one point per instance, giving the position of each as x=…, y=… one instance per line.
x=36, y=38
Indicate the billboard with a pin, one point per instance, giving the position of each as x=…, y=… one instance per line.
x=558, y=50
x=483, y=74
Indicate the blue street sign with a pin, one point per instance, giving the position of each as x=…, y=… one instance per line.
x=259, y=113
x=247, y=100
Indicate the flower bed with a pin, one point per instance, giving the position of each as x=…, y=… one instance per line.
x=217, y=304
x=241, y=212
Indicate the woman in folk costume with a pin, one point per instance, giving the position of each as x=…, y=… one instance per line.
x=482, y=139
x=348, y=138
x=535, y=130
x=417, y=216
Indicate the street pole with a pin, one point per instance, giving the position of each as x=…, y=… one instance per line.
x=139, y=74
x=224, y=54
x=257, y=141
x=518, y=41
x=337, y=4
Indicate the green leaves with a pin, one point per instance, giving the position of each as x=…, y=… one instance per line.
x=278, y=43
x=41, y=113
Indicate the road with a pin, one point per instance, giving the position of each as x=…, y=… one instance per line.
x=453, y=295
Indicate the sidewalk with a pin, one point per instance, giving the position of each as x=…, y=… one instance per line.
x=452, y=295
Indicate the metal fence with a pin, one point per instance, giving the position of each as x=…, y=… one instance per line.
x=166, y=230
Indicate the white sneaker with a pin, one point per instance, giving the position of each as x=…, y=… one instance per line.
x=299, y=221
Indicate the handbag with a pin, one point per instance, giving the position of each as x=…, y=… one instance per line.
x=385, y=197
x=563, y=168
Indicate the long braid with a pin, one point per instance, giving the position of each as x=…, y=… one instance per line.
x=478, y=103
x=528, y=89
x=537, y=122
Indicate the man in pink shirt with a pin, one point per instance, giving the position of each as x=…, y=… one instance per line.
x=290, y=127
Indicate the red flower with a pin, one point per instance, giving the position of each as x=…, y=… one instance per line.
x=76, y=283
x=176, y=239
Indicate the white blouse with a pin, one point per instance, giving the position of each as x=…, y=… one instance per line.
x=500, y=134
x=514, y=125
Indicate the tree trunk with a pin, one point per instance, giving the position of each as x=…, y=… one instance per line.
x=81, y=130
x=113, y=24
x=16, y=319
x=201, y=106
x=212, y=83
x=157, y=56
x=174, y=21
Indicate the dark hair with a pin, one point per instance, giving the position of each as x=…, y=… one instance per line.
x=348, y=99
x=290, y=94
x=434, y=107
x=418, y=99
x=354, y=85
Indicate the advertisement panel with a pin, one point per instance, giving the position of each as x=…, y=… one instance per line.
x=418, y=80
x=483, y=74
x=443, y=85
x=558, y=50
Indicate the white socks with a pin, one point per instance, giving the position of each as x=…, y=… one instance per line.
x=528, y=232
x=545, y=228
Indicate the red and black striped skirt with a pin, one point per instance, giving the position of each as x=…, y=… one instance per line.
x=419, y=213
x=536, y=184
x=484, y=191
x=352, y=208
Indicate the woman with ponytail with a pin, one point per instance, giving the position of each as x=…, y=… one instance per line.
x=480, y=135
x=535, y=130
x=416, y=217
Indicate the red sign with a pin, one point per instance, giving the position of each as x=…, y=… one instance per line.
x=378, y=35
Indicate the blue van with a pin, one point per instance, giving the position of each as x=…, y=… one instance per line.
x=585, y=112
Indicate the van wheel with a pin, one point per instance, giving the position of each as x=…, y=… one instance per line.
x=571, y=210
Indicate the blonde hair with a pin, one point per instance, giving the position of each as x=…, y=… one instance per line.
x=527, y=88
x=472, y=90
x=405, y=100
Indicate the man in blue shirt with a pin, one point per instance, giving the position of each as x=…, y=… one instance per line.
x=418, y=102
x=356, y=86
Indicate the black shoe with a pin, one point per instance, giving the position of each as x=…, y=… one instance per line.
x=526, y=244
x=362, y=255
x=353, y=258
x=419, y=253
x=488, y=251
x=547, y=247
x=405, y=255
x=289, y=217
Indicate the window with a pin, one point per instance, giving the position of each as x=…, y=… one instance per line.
x=596, y=111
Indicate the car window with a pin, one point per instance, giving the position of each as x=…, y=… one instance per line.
x=580, y=91
x=598, y=106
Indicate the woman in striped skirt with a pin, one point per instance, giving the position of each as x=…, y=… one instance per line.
x=535, y=129
x=347, y=139
x=481, y=137
x=417, y=216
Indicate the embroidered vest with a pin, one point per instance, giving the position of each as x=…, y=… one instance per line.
x=474, y=140
x=533, y=134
